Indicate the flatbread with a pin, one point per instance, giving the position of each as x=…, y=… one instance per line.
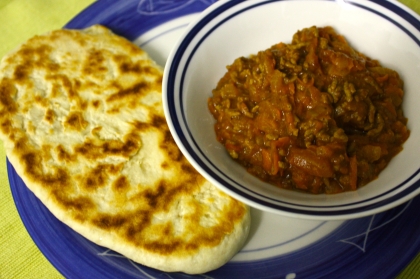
x=83, y=125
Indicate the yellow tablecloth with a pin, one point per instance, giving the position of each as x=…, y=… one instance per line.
x=20, y=20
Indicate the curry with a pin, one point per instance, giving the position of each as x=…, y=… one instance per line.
x=314, y=115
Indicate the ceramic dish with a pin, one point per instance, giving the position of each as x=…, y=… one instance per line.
x=384, y=30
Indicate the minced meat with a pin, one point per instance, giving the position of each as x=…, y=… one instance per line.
x=314, y=115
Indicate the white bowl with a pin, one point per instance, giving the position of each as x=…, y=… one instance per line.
x=387, y=31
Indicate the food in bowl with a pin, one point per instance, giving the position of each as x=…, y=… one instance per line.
x=314, y=115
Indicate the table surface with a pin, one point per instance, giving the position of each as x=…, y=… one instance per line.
x=20, y=20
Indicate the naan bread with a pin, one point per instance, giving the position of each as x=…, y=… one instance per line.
x=83, y=125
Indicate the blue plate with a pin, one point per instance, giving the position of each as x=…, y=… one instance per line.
x=378, y=246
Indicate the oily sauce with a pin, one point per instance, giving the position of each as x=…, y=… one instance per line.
x=314, y=115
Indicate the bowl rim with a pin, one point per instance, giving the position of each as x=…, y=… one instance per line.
x=184, y=138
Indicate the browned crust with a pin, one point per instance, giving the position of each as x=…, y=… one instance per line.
x=91, y=181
